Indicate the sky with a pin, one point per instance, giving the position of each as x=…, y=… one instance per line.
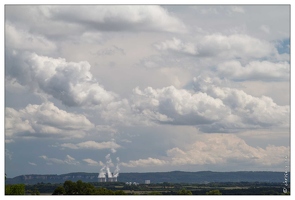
x=153, y=88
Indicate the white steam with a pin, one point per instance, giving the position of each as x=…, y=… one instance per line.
x=105, y=170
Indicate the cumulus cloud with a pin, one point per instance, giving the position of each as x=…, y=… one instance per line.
x=68, y=160
x=45, y=120
x=178, y=106
x=121, y=113
x=213, y=106
x=255, y=70
x=219, y=149
x=91, y=145
x=70, y=82
x=246, y=111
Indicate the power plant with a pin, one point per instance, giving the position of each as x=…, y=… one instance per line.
x=105, y=174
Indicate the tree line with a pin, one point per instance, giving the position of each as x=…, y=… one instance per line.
x=82, y=188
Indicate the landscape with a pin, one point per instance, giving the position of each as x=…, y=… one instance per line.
x=139, y=99
x=160, y=183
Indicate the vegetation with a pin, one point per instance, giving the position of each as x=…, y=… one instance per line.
x=82, y=188
x=17, y=189
x=119, y=188
x=154, y=193
x=184, y=192
x=214, y=192
x=60, y=190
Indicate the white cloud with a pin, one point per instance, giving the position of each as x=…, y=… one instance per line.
x=144, y=162
x=217, y=150
x=255, y=70
x=15, y=124
x=246, y=111
x=93, y=162
x=33, y=164
x=71, y=161
x=126, y=141
x=52, y=160
x=120, y=112
x=83, y=56
x=213, y=107
x=91, y=145
x=45, y=120
x=222, y=46
x=234, y=46
x=70, y=82
x=177, y=45
x=178, y=106
x=226, y=148
x=68, y=160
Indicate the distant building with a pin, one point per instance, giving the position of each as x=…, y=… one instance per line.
x=112, y=179
x=102, y=179
x=147, y=182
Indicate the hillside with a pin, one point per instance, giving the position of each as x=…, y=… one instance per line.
x=158, y=177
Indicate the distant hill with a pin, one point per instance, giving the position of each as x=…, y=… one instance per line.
x=158, y=177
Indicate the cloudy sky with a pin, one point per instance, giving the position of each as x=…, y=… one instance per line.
x=159, y=88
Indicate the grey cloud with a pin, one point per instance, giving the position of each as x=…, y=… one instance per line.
x=21, y=39
x=114, y=50
x=78, y=19
x=36, y=20
x=118, y=18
